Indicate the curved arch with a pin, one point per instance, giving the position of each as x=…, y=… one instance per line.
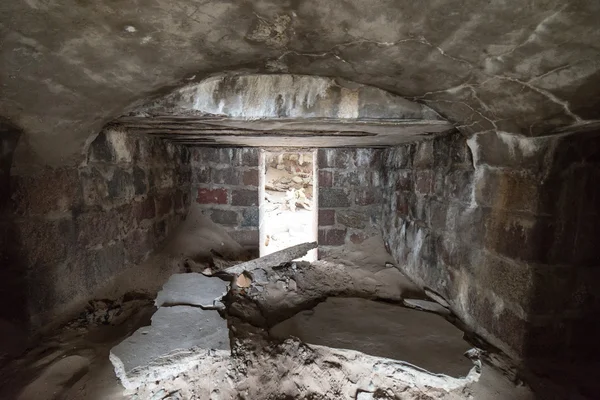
x=284, y=110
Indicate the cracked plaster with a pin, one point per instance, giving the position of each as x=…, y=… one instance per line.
x=524, y=68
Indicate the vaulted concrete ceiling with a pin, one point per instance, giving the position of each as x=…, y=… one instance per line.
x=525, y=67
x=284, y=110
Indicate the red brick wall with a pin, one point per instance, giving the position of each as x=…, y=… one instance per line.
x=225, y=184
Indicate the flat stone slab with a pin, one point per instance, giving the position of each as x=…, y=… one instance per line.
x=191, y=289
x=420, y=338
x=173, y=330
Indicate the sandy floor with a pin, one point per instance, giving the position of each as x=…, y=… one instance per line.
x=73, y=361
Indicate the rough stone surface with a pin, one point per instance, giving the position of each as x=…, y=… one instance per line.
x=294, y=370
x=231, y=202
x=299, y=286
x=496, y=228
x=192, y=289
x=529, y=71
x=505, y=226
x=173, y=329
x=77, y=228
x=425, y=305
x=273, y=259
x=350, y=195
x=278, y=110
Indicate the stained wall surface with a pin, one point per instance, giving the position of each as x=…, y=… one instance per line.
x=481, y=65
x=350, y=195
x=77, y=228
x=225, y=184
x=503, y=227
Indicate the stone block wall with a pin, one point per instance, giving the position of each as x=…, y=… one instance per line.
x=502, y=227
x=78, y=227
x=225, y=184
x=350, y=195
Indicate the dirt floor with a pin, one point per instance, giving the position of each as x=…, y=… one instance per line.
x=331, y=329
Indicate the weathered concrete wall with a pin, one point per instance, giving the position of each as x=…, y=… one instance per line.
x=76, y=228
x=62, y=80
x=504, y=228
x=225, y=184
x=350, y=195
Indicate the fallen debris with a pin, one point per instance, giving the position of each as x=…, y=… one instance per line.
x=191, y=289
x=173, y=330
x=294, y=198
x=273, y=259
x=243, y=281
x=293, y=370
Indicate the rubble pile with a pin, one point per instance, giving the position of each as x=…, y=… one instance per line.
x=245, y=344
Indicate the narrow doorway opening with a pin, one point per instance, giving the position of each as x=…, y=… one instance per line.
x=288, y=200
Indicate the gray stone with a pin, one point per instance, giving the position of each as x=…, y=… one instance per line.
x=173, y=330
x=425, y=305
x=191, y=289
x=250, y=217
x=352, y=219
x=224, y=217
x=273, y=259
x=259, y=275
x=437, y=298
x=384, y=330
x=332, y=198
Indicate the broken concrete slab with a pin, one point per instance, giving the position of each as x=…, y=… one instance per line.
x=384, y=330
x=191, y=289
x=284, y=291
x=173, y=330
x=273, y=259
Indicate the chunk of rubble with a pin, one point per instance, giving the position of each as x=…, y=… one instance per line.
x=181, y=334
x=273, y=259
x=243, y=280
x=293, y=370
x=191, y=289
